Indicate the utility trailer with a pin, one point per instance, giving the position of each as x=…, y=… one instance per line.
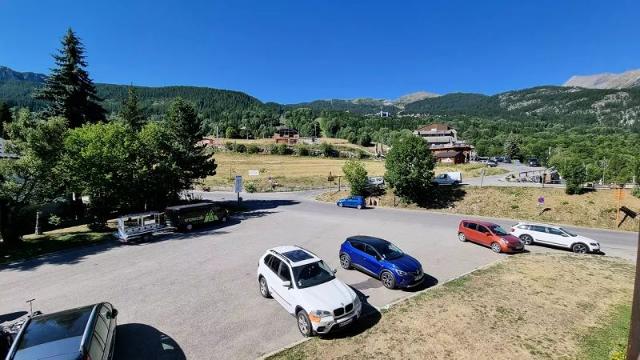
x=141, y=226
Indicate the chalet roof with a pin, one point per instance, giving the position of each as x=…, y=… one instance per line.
x=436, y=127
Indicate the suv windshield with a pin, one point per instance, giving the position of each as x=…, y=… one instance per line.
x=498, y=230
x=389, y=251
x=312, y=274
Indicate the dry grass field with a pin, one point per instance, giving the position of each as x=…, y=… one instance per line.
x=594, y=209
x=525, y=307
x=296, y=173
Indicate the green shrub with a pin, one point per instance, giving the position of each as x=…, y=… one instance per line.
x=250, y=187
x=54, y=220
x=356, y=174
x=241, y=148
x=636, y=191
x=328, y=150
x=281, y=149
x=302, y=150
x=253, y=149
x=228, y=145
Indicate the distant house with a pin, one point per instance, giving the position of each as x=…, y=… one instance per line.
x=450, y=157
x=444, y=143
x=286, y=136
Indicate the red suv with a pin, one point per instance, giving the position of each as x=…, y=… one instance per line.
x=489, y=234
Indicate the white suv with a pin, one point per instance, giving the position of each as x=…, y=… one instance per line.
x=554, y=235
x=307, y=288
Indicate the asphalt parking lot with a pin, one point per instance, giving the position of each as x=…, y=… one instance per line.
x=196, y=296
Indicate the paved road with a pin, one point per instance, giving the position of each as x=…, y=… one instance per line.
x=195, y=295
x=515, y=169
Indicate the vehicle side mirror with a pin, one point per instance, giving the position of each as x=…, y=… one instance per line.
x=286, y=284
x=112, y=314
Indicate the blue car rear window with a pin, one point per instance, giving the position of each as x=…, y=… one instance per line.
x=297, y=255
x=49, y=328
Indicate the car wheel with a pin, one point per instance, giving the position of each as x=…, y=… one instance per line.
x=264, y=288
x=189, y=227
x=496, y=247
x=388, y=280
x=462, y=237
x=359, y=207
x=224, y=219
x=579, y=248
x=304, y=325
x=526, y=239
x=345, y=261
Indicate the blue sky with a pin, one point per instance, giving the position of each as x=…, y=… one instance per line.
x=299, y=50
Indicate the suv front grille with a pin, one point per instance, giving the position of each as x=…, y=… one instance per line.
x=342, y=311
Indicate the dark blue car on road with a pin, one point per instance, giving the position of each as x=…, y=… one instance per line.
x=352, y=201
x=381, y=259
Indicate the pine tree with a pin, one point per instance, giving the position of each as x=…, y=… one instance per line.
x=5, y=117
x=131, y=112
x=68, y=90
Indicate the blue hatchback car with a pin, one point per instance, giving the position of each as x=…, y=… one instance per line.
x=352, y=201
x=381, y=259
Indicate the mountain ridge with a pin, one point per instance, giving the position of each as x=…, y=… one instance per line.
x=624, y=80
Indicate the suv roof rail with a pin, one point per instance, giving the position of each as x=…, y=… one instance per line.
x=280, y=256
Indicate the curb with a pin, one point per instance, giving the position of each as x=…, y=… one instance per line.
x=389, y=305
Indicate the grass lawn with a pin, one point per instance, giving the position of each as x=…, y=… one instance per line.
x=594, y=209
x=296, y=173
x=55, y=240
x=524, y=307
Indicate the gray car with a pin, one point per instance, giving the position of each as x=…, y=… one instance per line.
x=78, y=334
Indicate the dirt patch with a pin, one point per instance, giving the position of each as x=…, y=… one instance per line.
x=526, y=307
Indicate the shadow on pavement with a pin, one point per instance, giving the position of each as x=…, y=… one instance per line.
x=12, y=316
x=427, y=282
x=252, y=209
x=144, y=342
x=369, y=318
x=442, y=197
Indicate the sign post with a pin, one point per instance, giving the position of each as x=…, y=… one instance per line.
x=237, y=188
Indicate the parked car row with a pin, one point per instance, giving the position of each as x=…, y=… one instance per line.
x=308, y=289
x=521, y=234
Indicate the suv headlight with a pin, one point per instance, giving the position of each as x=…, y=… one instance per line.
x=504, y=240
x=317, y=315
x=356, y=302
x=401, y=273
x=595, y=244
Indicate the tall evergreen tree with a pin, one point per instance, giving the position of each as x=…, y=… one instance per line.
x=5, y=117
x=131, y=112
x=68, y=90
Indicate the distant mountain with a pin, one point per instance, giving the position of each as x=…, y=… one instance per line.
x=7, y=74
x=16, y=89
x=624, y=80
x=549, y=103
x=366, y=105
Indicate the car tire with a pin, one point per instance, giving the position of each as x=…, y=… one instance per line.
x=264, y=287
x=526, y=239
x=495, y=247
x=345, y=261
x=359, y=207
x=304, y=324
x=579, y=248
x=388, y=280
x=462, y=237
